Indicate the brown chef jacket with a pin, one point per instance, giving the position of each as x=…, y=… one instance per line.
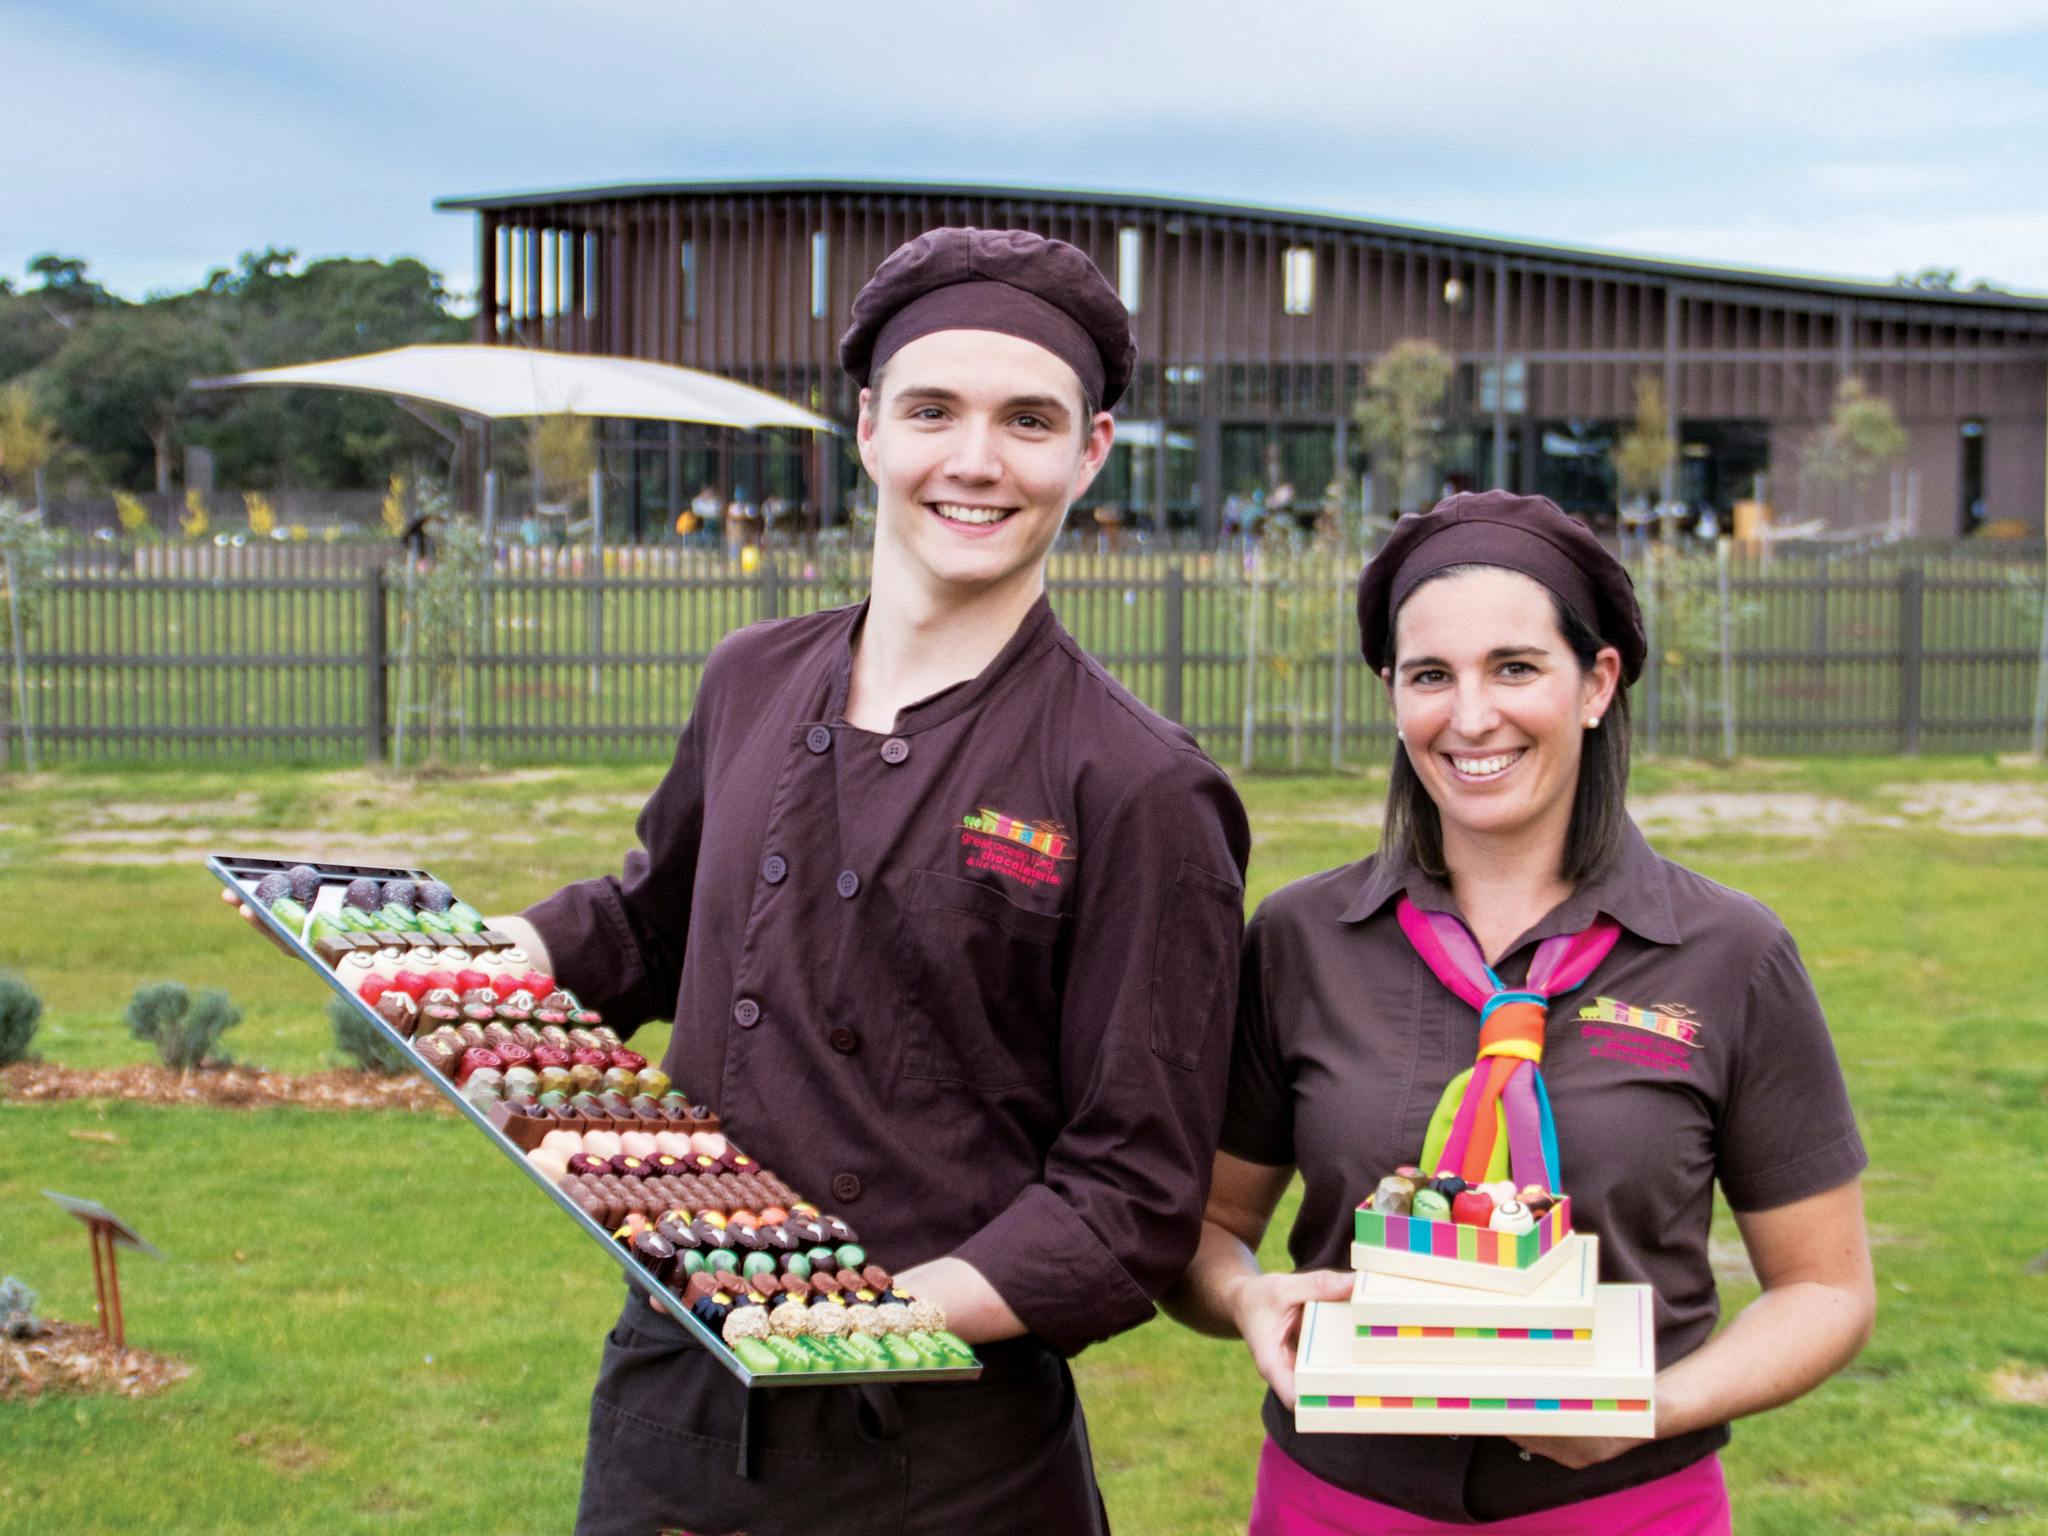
x=1695, y=1052
x=967, y=984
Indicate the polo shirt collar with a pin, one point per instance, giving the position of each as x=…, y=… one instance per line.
x=1034, y=632
x=1635, y=891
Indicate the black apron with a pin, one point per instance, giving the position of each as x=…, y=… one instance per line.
x=678, y=1445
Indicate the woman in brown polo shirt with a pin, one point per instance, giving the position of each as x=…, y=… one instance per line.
x=1505, y=633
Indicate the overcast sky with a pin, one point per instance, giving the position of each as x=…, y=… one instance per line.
x=160, y=138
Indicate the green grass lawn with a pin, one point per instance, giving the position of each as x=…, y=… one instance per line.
x=391, y=1334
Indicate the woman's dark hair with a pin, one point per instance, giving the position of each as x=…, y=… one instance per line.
x=1599, y=812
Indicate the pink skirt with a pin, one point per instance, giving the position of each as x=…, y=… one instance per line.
x=1292, y=1501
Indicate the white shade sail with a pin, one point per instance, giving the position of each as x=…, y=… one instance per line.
x=507, y=382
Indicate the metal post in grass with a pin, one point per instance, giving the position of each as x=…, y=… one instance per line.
x=1337, y=649
x=490, y=557
x=1248, y=728
x=593, y=587
x=1727, y=654
x=1912, y=606
x=1653, y=670
x=1172, y=690
x=2040, y=738
x=23, y=713
x=376, y=660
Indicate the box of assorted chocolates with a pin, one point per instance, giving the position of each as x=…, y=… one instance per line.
x=1477, y=1310
x=780, y=1290
x=1494, y=1236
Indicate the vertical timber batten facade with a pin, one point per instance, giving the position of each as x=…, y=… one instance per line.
x=1256, y=329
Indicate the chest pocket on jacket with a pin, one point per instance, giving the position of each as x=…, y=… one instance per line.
x=980, y=1007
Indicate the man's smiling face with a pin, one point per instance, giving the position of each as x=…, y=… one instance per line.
x=977, y=445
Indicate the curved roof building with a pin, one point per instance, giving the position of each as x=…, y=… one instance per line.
x=1257, y=327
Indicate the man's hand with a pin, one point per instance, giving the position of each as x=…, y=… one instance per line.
x=234, y=899
x=1267, y=1311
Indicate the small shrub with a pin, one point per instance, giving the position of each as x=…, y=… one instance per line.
x=185, y=1030
x=363, y=1042
x=21, y=1011
x=17, y=1310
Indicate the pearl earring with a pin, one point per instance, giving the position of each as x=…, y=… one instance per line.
x=1592, y=722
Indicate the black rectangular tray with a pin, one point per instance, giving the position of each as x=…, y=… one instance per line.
x=241, y=872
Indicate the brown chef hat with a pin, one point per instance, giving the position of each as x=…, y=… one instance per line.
x=1529, y=534
x=1006, y=280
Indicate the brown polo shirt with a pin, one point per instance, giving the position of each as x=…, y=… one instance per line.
x=967, y=984
x=1696, y=1052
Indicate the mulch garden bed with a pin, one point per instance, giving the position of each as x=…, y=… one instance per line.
x=219, y=1087
x=80, y=1361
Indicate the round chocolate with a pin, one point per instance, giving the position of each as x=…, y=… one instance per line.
x=656, y=1252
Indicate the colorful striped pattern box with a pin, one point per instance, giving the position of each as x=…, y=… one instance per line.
x=1399, y=1321
x=1612, y=1394
x=1456, y=1254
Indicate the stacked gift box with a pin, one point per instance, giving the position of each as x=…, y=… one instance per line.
x=1457, y=1329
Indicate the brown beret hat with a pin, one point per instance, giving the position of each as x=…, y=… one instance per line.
x=1529, y=534
x=1006, y=280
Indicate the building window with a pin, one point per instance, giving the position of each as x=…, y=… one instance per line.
x=1974, y=511
x=689, y=261
x=1298, y=280
x=591, y=252
x=1130, y=255
x=1504, y=387
x=821, y=274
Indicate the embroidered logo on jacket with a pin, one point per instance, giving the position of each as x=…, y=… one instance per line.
x=1027, y=851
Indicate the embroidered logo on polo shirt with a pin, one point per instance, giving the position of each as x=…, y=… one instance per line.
x=1604, y=1024
x=1671, y=1020
x=1031, y=852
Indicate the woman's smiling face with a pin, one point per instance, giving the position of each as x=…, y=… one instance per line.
x=1491, y=703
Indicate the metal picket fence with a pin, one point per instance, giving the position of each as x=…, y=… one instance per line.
x=304, y=653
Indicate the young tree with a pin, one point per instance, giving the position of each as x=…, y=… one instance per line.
x=562, y=451
x=1644, y=451
x=1861, y=440
x=1401, y=413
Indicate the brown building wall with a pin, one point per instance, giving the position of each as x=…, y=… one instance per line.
x=721, y=278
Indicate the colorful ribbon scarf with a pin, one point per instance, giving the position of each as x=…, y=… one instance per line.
x=1494, y=1120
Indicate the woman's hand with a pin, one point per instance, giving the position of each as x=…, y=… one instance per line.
x=1266, y=1310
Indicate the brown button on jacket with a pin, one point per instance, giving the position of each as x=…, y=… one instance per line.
x=968, y=983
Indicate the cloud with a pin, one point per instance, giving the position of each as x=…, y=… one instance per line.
x=2005, y=249
x=172, y=134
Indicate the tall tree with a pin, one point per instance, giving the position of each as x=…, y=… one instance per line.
x=272, y=315
x=119, y=386
x=36, y=322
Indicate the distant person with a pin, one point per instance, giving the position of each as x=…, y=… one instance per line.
x=739, y=522
x=705, y=505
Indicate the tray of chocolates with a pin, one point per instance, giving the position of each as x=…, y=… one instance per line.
x=782, y=1292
